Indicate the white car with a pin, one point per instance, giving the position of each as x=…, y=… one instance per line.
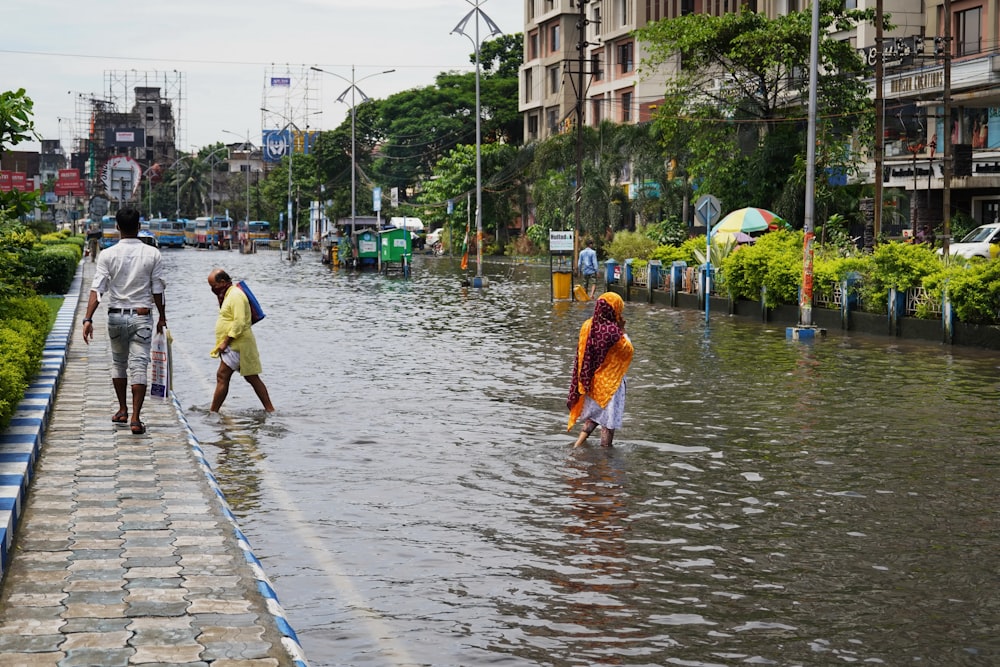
x=983, y=241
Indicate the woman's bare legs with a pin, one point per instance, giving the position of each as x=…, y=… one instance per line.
x=588, y=428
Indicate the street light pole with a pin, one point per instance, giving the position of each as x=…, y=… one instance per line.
x=364, y=98
x=291, y=153
x=476, y=12
x=246, y=155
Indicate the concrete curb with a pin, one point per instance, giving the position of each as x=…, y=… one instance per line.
x=21, y=442
x=289, y=639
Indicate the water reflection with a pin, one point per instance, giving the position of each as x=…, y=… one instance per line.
x=416, y=499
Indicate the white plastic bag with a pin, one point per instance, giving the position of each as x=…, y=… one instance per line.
x=159, y=356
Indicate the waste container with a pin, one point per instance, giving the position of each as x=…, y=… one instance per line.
x=562, y=281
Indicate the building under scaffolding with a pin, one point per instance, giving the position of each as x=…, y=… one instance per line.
x=139, y=116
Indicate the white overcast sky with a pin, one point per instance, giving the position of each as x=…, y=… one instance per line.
x=59, y=49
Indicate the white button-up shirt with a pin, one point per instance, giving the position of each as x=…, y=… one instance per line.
x=130, y=272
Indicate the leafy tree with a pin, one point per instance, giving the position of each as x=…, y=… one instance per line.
x=16, y=125
x=733, y=116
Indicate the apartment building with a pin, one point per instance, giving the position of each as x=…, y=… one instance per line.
x=914, y=90
x=582, y=52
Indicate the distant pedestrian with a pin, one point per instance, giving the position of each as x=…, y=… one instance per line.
x=129, y=277
x=235, y=345
x=587, y=267
x=94, y=236
x=603, y=355
x=929, y=237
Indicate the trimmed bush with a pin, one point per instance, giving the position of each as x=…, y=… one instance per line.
x=52, y=267
x=24, y=324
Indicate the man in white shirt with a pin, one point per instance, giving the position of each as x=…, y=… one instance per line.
x=130, y=275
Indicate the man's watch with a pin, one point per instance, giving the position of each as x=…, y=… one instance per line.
x=88, y=319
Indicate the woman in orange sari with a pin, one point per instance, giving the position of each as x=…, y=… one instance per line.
x=603, y=355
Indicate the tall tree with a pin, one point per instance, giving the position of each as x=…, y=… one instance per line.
x=737, y=106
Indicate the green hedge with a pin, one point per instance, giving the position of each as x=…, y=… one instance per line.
x=24, y=326
x=52, y=267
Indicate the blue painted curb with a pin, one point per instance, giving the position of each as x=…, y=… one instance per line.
x=289, y=639
x=21, y=442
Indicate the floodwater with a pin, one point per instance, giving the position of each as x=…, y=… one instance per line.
x=416, y=499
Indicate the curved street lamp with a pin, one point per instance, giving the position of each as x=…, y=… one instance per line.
x=479, y=280
x=364, y=98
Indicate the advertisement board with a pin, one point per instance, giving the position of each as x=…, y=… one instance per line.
x=125, y=137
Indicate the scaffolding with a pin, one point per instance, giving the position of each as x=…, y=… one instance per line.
x=124, y=88
x=291, y=95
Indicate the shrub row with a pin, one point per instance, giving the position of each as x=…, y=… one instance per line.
x=24, y=326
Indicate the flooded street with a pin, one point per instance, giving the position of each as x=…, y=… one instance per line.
x=415, y=499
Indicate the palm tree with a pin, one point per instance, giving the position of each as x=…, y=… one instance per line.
x=190, y=179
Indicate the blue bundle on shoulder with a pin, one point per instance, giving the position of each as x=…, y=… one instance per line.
x=256, y=312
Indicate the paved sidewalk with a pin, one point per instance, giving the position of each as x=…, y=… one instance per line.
x=124, y=551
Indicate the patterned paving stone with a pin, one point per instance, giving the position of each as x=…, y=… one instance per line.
x=124, y=552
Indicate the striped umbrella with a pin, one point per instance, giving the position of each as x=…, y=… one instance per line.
x=747, y=220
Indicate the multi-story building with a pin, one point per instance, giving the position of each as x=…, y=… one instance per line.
x=589, y=42
x=914, y=91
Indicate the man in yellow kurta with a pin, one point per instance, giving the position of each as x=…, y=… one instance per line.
x=235, y=344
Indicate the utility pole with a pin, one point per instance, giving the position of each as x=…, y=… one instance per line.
x=946, y=156
x=879, y=132
x=581, y=70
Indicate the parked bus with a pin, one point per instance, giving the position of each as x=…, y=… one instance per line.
x=258, y=231
x=109, y=229
x=222, y=232
x=170, y=233
x=202, y=235
x=191, y=232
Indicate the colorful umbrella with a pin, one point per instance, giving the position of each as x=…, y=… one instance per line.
x=748, y=221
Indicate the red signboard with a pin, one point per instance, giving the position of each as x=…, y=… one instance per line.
x=70, y=188
x=17, y=181
x=5, y=179
x=69, y=175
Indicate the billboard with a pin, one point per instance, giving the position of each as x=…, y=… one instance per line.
x=279, y=143
x=120, y=176
x=125, y=137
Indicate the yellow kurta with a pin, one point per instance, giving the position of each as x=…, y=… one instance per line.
x=234, y=321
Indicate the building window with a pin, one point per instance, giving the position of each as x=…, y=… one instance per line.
x=529, y=85
x=687, y=7
x=533, y=45
x=968, y=32
x=553, y=75
x=595, y=111
x=531, y=10
x=627, y=107
x=597, y=65
x=550, y=121
x=533, y=125
x=149, y=114
x=625, y=62
x=550, y=5
x=554, y=39
x=623, y=13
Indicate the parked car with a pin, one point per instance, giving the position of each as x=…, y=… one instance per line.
x=983, y=241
